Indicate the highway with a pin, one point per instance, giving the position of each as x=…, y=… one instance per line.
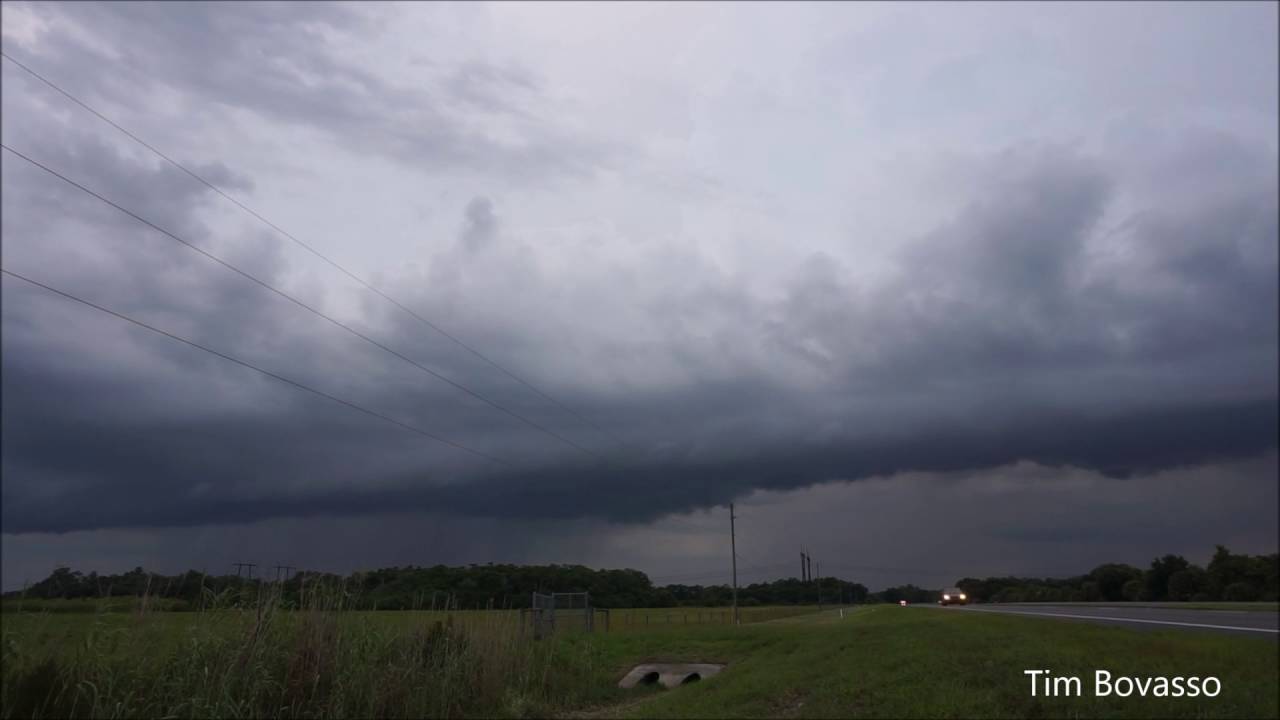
x=1243, y=622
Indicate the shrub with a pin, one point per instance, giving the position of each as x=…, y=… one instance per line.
x=1132, y=590
x=1240, y=592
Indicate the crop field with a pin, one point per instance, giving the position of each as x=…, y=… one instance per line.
x=876, y=661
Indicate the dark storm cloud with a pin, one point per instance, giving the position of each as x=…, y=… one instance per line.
x=1027, y=327
x=635, y=491
x=287, y=62
x=1023, y=519
x=1020, y=362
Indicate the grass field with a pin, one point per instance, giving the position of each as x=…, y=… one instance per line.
x=94, y=605
x=878, y=661
x=621, y=617
x=892, y=662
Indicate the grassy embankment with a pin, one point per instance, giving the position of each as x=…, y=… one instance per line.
x=878, y=661
x=1262, y=606
x=885, y=661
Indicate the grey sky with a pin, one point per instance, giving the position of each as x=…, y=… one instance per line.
x=929, y=249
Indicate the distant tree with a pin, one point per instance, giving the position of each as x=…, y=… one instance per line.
x=1110, y=579
x=1240, y=592
x=1157, y=577
x=1183, y=584
x=1089, y=591
x=1271, y=589
x=975, y=589
x=910, y=593
x=1010, y=594
x=512, y=586
x=1133, y=590
x=1224, y=569
x=1259, y=572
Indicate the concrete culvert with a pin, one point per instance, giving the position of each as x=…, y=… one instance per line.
x=668, y=675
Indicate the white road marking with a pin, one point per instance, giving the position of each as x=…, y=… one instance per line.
x=1121, y=619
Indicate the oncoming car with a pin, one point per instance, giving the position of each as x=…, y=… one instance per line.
x=953, y=596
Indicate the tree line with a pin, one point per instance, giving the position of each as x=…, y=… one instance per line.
x=1228, y=576
x=441, y=587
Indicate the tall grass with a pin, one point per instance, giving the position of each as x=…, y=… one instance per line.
x=94, y=605
x=252, y=657
x=640, y=618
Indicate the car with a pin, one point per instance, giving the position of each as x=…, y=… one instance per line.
x=954, y=596
x=903, y=603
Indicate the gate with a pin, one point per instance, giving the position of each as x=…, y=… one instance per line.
x=550, y=612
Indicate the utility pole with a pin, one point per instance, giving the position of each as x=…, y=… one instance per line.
x=240, y=566
x=733, y=548
x=802, y=571
x=286, y=569
x=819, y=587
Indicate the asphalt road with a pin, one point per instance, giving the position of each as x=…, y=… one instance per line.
x=1242, y=622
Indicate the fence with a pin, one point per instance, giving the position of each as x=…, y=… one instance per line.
x=562, y=611
x=657, y=617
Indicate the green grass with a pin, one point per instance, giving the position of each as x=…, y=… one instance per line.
x=891, y=662
x=100, y=659
x=92, y=605
x=315, y=663
x=647, y=618
x=879, y=661
x=1238, y=606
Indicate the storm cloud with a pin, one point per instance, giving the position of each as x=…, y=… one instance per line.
x=1093, y=293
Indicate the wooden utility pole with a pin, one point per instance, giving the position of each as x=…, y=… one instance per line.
x=802, y=570
x=819, y=579
x=733, y=548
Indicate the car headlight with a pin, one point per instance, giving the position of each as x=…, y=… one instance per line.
x=946, y=597
x=962, y=596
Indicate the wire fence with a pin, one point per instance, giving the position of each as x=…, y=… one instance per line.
x=658, y=617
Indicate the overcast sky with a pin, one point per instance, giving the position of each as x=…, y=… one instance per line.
x=930, y=290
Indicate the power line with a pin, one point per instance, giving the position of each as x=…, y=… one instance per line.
x=300, y=303
x=733, y=547
x=318, y=254
x=811, y=570
x=315, y=252
x=934, y=571
x=251, y=366
x=714, y=573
